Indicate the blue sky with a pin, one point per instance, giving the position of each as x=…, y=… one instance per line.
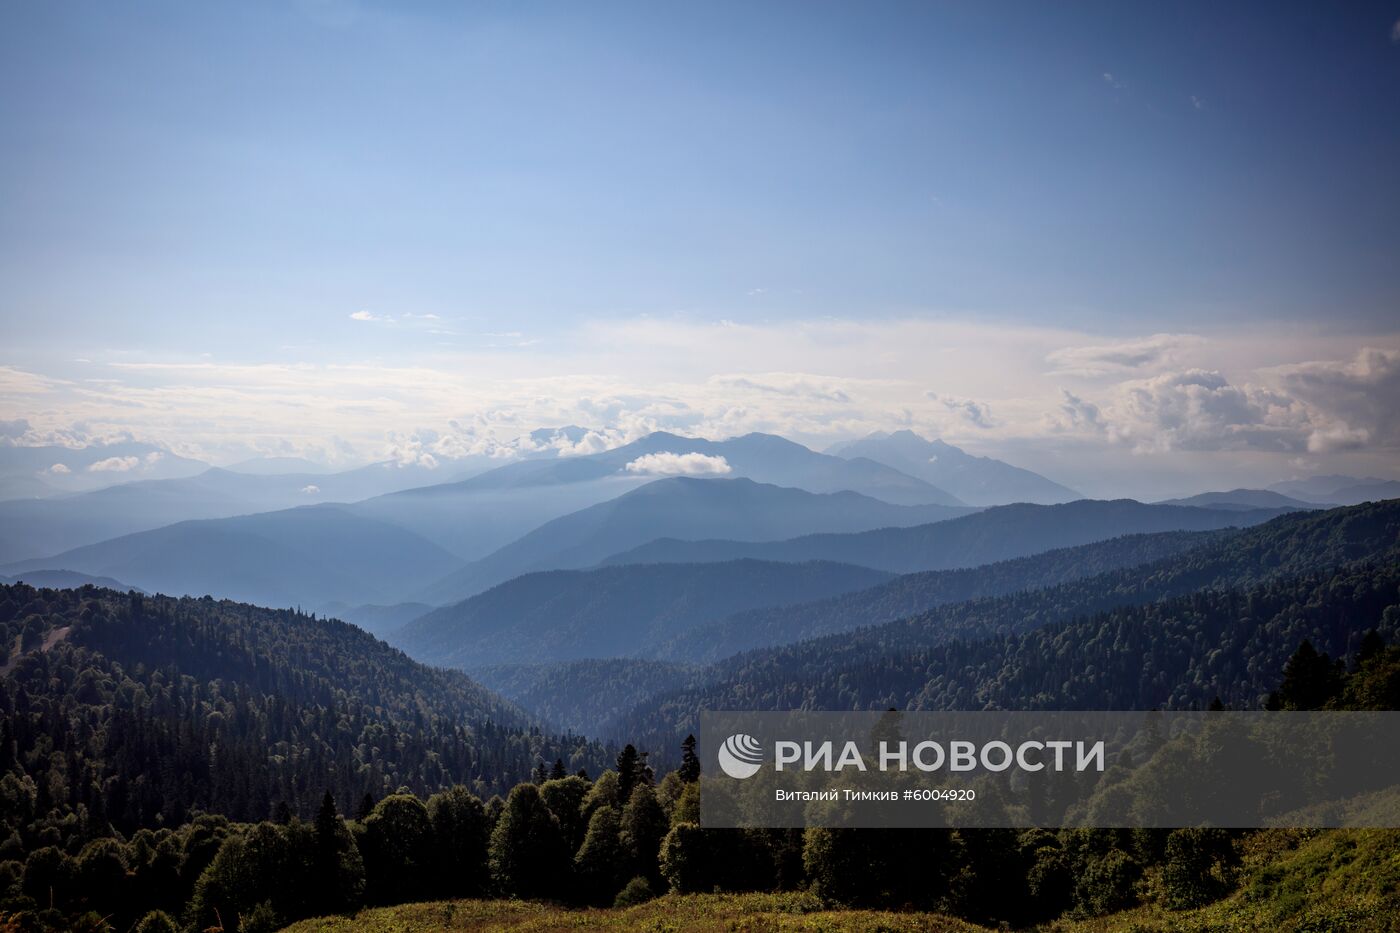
x=516, y=190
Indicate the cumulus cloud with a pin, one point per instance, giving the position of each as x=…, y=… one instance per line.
x=672, y=464
x=311, y=489
x=1201, y=410
x=1121, y=357
x=114, y=465
x=1077, y=415
x=58, y=469
x=1351, y=402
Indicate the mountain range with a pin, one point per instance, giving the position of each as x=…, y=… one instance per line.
x=609, y=612
x=996, y=534
x=914, y=593
x=974, y=480
x=1243, y=500
x=480, y=515
x=307, y=556
x=1340, y=489
x=1221, y=618
x=55, y=469
x=685, y=507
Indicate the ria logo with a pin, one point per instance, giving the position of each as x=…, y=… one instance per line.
x=740, y=756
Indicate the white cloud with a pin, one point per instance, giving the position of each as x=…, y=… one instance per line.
x=311, y=489
x=1113, y=82
x=1121, y=357
x=1352, y=402
x=1076, y=415
x=114, y=465
x=58, y=469
x=1201, y=410
x=672, y=464
x=1395, y=32
x=369, y=316
x=816, y=381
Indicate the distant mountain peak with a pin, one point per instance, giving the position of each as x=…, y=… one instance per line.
x=971, y=478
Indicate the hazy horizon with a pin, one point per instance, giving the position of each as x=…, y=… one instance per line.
x=1143, y=262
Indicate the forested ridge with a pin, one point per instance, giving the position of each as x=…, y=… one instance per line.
x=913, y=593
x=1000, y=533
x=612, y=611
x=989, y=653
x=579, y=695
x=625, y=836
x=200, y=758
x=141, y=710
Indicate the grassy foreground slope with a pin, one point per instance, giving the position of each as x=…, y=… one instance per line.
x=704, y=913
x=1294, y=881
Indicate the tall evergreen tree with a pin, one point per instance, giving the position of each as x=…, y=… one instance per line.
x=690, y=762
x=643, y=826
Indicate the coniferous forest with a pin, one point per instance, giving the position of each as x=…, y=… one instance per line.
x=192, y=764
x=418, y=418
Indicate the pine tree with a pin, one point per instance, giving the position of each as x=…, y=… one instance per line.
x=338, y=872
x=627, y=765
x=558, y=772
x=690, y=762
x=644, y=825
x=1310, y=679
x=1372, y=644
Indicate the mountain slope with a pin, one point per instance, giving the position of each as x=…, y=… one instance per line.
x=1323, y=488
x=914, y=593
x=1243, y=500
x=66, y=580
x=684, y=507
x=996, y=534
x=1167, y=619
x=974, y=480
x=51, y=470
x=763, y=458
x=307, y=556
x=31, y=528
x=182, y=704
x=569, y=614
x=1367, y=492
x=474, y=517
x=575, y=696
x=379, y=621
